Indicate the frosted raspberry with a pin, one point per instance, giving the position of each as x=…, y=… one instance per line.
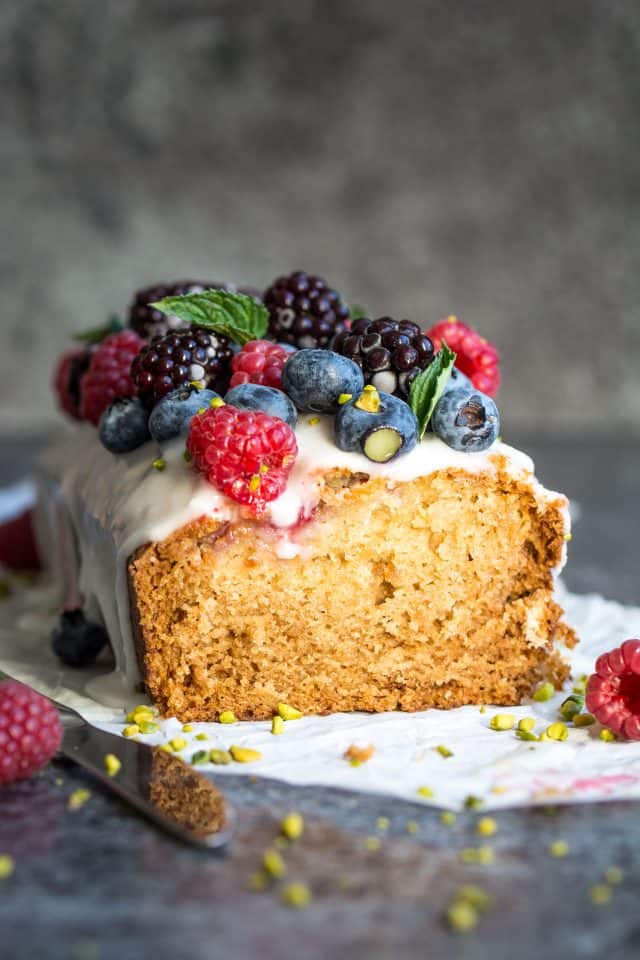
x=30, y=731
x=259, y=361
x=66, y=380
x=109, y=374
x=477, y=358
x=613, y=691
x=245, y=454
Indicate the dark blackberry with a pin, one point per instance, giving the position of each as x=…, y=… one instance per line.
x=389, y=352
x=76, y=640
x=304, y=311
x=194, y=355
x=149, y=323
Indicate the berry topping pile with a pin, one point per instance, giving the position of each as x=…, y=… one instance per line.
x=613, y=691
x=246, y=455
x=304, y=311
x=476, y=357
x=109, y=374
x=390, y=352
x=186, y=356
x=259, y=361
x=30, y=731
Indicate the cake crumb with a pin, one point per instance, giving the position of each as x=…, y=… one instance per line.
x=358, y=754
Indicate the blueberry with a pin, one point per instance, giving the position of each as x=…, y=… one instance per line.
x=466, y=420
x=124, y=425
x=380, y=434
x=457, y=380
x=172, y=414
x=254, y=396
x=314, y=379
x=76, y=640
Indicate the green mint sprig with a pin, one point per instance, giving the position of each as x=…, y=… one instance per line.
x=233, y=315
x=356, y=310
x=426, y=389
x=97, y=334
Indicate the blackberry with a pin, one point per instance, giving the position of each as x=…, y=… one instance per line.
x=149, y=323
x=194, y=355
x=389, y=352
x=304, y=310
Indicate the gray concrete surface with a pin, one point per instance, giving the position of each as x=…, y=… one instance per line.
x=427, y=157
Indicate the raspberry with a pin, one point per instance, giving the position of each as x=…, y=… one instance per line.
x=109, y=374
x=194, y=355
x=259, y=361
x=245, y=454
x=476, y=357
x=72, y=366
x=304, y=310
x=613, y=691
x=389, y=352
x=30, y=731
x=149, y=323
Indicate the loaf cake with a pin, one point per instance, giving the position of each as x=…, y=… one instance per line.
x=300, y=521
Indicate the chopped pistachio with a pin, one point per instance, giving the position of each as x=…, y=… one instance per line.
x=289, y=713
x=178, y=743
x=369, y=400
x=600, y=894
x=607, y=735
x=544, y=692
x=461, y=916
x=292, y=825
x=148, y=726
x=383, y=823
x=216, y=402
x=483, y=709
x=559, y=848
x=78, y=798
x=131, y=730
x=444, y=751
x=613, y=876
x=499, y=789
x=139, y=713
x=412, y=826
x=112, y=764
x=571, y=706
x=273, y=863
x=476, y=896
x=502, y=721
x=526, y=735
x=344, y=398
x=227, y=716
x=187, y=728
x=159, y=463
x=527, y=724
x=258, y=881
x=313, y=421
x=7, y=866
x=200, y=756
x=425, y=791
x=372, y=843
x=447, y=818
x=557, y=731
x=244, y=754
x=201, y=736
x=220, y=757
x=479, y=855
x=584, y=720
x=296, y=895
x=473, y=803
x=277, y=725
x=486, y=826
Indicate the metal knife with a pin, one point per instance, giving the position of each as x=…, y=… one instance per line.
x=162, y=787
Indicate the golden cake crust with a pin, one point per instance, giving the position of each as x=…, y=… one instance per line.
x=435, y=592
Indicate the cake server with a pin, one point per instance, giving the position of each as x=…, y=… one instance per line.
x=162, y=787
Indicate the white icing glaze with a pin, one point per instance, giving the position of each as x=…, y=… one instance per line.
x=115, y=504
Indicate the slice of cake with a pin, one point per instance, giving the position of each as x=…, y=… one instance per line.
x=326, y=543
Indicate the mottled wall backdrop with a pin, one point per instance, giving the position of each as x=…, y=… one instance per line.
x=428, y=157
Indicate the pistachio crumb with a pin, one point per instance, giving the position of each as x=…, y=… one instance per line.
x=131, y=730
x=479, y=855
x=461, y=916
x=7, y=866
x=444, y=751
x=557, y=731
x=149, y=726
x=159, y=464
x=200, y=756
x=177, y=744
x=544, y=692
x=187, y=728
x=472, y=802
x=476, y=896
x=425, y=792
x=613, y=876
x=571, y=706
x=447, y=818
x=289, y=713
x=486, y=826
x=373, y=843
x=201, y=736
x=483, y=709
x=140, y=713
x=78, y=798
x=412, y=827
x=244, y=754
x=600, y=894
x=584, y=720
x=607, y=735
x=112, y=764
x=220, y=757
x=527, y=724
x=498, y=789
x=559, y=848
x=257, y=881
x=383, y=823
x=277, y=725
x=502, y=721
x=273, y=863
x=312, y=421
x=344, y=398
x=227, y=716
x=296, y=895
x=292, y=825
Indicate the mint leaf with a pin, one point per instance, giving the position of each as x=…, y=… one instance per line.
x=233, y=315
x=97, y=334
x=426, y=389
x=356, y=310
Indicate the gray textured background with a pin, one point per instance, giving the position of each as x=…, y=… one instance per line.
x=427, y=157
